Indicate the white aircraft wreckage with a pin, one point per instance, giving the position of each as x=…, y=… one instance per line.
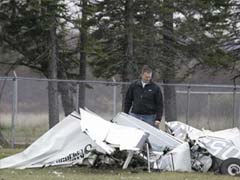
x=218, y=151
x=88, y=139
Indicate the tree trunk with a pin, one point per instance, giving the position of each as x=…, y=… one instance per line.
x=169, y=64
x=66, y=97
x=3, y=141
x=170, y=103
x=52, y=74
x=65, y=89
x=127, y=73
x=82, y=63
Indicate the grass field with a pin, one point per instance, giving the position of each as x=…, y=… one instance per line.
x=30, y=126
x=87, y=173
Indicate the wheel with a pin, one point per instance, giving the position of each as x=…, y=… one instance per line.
x=230, y=166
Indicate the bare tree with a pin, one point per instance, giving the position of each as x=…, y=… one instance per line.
x=82, y=61
x=127, y=71
x=169, y=64
x=52, y=74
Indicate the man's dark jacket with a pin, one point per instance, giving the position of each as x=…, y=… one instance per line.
x=147, y=100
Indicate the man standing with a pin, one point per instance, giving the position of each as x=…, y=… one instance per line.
x=144, y=98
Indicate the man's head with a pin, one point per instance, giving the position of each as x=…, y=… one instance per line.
x=146, y=74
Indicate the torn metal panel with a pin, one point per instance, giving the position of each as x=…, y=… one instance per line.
x=64, y=144
x=222, y=144
x=158, y=139
x=182, y=131
x=167, y=152
x=177, y=159
x=100, y=130
x=219, y=147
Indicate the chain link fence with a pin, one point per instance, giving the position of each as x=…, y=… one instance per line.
x=24, y=105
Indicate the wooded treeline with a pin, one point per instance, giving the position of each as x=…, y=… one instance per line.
x=115, y=38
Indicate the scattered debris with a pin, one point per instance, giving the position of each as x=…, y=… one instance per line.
x=90, y=140
x=218, y=151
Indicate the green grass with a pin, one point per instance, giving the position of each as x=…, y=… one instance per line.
x=7, y=152
x=87, y=173
x=28, y=126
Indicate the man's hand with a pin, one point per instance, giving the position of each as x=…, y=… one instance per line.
x=157, y=123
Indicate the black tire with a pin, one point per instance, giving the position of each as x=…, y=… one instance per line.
x=230, y=166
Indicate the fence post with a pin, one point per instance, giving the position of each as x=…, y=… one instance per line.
x=208, y=111
x=77, y=99
x=14, y=109
x=114, y=96
x=234, y=106
x=188, y=103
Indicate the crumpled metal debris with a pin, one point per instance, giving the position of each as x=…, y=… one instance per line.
x=211, y=150
x=88, y=139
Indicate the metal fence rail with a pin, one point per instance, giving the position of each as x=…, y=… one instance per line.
x=23, y=101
